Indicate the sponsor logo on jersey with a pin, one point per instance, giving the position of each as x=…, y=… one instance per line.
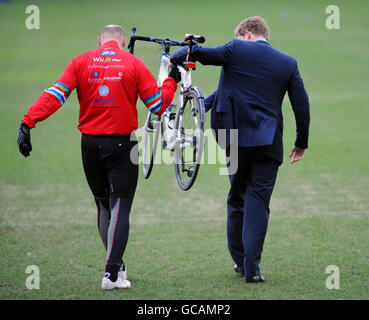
x=103, y=100
x=95, y=80
x=108, y=53
x=109, y=66
x=103, y=91
x=107, y=78
x=106, y=59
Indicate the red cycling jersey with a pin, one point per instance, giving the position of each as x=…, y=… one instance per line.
x=108, y=82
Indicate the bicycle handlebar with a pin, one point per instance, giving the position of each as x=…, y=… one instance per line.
x=190, y=40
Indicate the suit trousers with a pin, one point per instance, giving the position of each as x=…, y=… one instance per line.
x=248, y=207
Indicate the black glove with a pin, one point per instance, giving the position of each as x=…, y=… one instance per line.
x=175, y=74
x=24, y=140
x=179, y=56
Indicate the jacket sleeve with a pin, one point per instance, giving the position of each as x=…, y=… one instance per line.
x=156, y=99
x=300, y=104
x=216, y=56
x=52, y=98
x=209, y=101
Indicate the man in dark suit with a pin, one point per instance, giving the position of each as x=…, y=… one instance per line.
x=253, y=82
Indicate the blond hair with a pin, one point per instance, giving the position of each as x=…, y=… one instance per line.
x=257, y=25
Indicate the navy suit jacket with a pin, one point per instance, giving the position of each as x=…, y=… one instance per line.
x=253, y=82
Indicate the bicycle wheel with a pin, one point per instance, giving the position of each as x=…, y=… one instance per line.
x=189, y=133
x=150, y=140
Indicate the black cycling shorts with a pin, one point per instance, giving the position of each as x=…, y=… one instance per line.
x=110, y=163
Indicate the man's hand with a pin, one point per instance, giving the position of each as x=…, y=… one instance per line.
x=179, y=55
x=175, y=73
x=24, y=140
x=297, y=154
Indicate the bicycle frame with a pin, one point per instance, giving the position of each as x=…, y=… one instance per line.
x=174, y=136
x=185, y=70
x=186, y=84
x=163, y=72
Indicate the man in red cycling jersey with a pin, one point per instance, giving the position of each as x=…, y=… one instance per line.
x=108, y=82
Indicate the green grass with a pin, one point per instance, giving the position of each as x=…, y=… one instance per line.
x=177, y=247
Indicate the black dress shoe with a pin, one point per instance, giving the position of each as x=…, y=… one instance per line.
x=239, y=270
x=257, y=278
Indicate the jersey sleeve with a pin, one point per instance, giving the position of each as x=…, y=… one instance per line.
x=155, y=99
x=52, y=98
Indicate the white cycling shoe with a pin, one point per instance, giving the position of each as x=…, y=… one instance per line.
x=122, y=274
x=107, y=284
x=120, y=283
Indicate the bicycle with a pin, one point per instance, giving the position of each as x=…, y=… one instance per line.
x=182, y=130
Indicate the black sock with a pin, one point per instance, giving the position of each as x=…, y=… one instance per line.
x=111, y=271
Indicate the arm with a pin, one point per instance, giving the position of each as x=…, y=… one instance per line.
x=209, y=101
x=49, y=102
x=216, y=56
x=300, y=104
x=52, y=98
x=155, y=99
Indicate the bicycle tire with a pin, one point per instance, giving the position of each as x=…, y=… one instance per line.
x=150, y=143
x=193, y=109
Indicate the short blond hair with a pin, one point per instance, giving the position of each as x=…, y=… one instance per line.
x=257, y=25
x=113, y=29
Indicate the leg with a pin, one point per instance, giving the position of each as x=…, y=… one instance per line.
x=97, y=181
x=256, y=212
x=103, y=218
x=122, y=175
x=235, y=208
x=118, y=232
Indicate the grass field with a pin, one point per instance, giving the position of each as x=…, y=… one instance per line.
x=177, y=247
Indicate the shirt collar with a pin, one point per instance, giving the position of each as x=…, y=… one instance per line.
x=263, y=43
x=112, y=44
